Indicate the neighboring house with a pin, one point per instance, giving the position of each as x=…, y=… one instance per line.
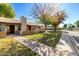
x=13, y=26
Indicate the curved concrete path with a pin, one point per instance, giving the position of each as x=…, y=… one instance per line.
x=41, y=49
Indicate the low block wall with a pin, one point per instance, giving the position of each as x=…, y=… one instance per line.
x=3, y=34
x=27, y=32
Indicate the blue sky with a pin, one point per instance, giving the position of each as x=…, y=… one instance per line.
x=23, y=9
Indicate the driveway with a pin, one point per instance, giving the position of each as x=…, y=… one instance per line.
x=67, y=45
x=75, y=37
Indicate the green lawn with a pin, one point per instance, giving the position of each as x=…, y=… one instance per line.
x=10, y=47
x=51, y=38
x=34, y=37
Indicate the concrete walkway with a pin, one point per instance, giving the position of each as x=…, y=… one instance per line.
x=41, y=49
x=65, y=47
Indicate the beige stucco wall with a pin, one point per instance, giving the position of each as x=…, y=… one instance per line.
x=16, y=29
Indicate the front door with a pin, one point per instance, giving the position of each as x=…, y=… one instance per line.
x=12, y=29
x=29, y=27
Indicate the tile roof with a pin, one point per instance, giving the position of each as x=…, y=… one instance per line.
x=8, y=20
x=15, y=21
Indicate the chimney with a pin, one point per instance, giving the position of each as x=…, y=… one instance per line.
x=23, y=23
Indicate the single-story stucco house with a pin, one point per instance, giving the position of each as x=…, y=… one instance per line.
x=13, y=26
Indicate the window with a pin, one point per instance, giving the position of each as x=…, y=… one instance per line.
x=0, y=27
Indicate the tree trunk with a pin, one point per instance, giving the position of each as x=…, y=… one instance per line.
x=45, y=29
x=55, y=28
x=44, y=33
